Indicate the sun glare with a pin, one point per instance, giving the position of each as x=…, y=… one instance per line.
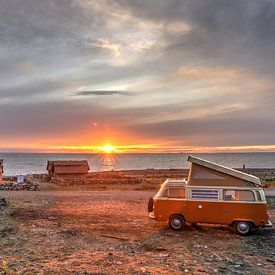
x=108, y=149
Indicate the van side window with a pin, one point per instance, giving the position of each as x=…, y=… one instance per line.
x=208, y=194
x=177, y=193
x=238, y=195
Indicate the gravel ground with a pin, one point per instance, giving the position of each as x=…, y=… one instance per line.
x=109, y=232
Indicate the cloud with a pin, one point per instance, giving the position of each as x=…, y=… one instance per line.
x=207, y=73
x=102, y=93
x=201, y=72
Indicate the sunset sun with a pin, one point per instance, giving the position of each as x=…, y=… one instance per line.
x=108, y=149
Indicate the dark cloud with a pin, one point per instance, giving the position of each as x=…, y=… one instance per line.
x=213, y=131
x=224, y=33
x=39, y=22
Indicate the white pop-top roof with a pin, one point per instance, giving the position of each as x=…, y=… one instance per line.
x=225, y=170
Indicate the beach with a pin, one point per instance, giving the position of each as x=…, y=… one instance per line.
x=103, y=232
x=103, y=227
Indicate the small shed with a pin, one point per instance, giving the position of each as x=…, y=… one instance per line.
x=1, y=169
x=203, y=172
x=68, y=168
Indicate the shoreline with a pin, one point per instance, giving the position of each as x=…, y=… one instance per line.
x=262, y=173
x=143, y=179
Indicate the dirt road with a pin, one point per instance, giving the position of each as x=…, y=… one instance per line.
x=87, y=232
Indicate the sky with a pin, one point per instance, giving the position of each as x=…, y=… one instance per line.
x=142, y=76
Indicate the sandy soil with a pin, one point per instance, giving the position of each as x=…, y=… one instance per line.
x=107, y=232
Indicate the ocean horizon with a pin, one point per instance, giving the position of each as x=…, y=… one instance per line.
x=36, y=163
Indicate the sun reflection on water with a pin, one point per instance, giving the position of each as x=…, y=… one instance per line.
x=107, y=162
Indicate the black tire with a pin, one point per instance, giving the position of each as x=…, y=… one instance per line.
x=243, y=228
x=150, y=205
x=177, y=222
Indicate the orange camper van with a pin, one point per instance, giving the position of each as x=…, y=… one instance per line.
x=212, y=194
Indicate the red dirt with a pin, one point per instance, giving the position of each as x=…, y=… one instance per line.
x=74, y=232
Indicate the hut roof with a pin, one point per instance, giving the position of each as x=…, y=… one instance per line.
x=225, y=170
x=68, y=166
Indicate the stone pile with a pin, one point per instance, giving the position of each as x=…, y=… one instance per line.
x=97, y=178
x=27, y=185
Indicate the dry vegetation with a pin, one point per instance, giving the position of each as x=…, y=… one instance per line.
x=87, y=232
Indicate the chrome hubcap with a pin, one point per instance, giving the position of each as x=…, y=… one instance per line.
x=243, y=227
x=176, y=223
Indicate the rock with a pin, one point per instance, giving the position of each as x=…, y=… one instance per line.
x=27, y=185
x=143, y=269
x=3, y=202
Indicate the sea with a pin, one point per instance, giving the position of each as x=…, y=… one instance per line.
x=29, y=163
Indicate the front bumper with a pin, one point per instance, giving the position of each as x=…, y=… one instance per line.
x=268, y=224
x=151, y=215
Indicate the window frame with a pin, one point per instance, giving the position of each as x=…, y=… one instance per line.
x=258, y=195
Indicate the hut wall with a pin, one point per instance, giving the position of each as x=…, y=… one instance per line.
x=202, y=176
x=67, y=169
x=70, y=175
x=72, y=169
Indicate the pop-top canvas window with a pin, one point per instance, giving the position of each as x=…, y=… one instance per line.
x=208, y=194
x=238, y=195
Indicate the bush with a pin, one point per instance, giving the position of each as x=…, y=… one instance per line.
x=5, y=268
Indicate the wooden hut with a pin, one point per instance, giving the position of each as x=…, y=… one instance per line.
x=68, y=168
x=207, y=173
x=1, y=169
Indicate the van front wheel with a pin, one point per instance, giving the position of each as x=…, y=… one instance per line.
x=176, y=222
x=243, y=228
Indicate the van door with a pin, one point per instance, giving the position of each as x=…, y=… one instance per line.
x=237, y=205
x=204, y=206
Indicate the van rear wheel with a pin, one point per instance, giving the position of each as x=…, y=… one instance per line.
x=243, y=228
x=177, y=222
